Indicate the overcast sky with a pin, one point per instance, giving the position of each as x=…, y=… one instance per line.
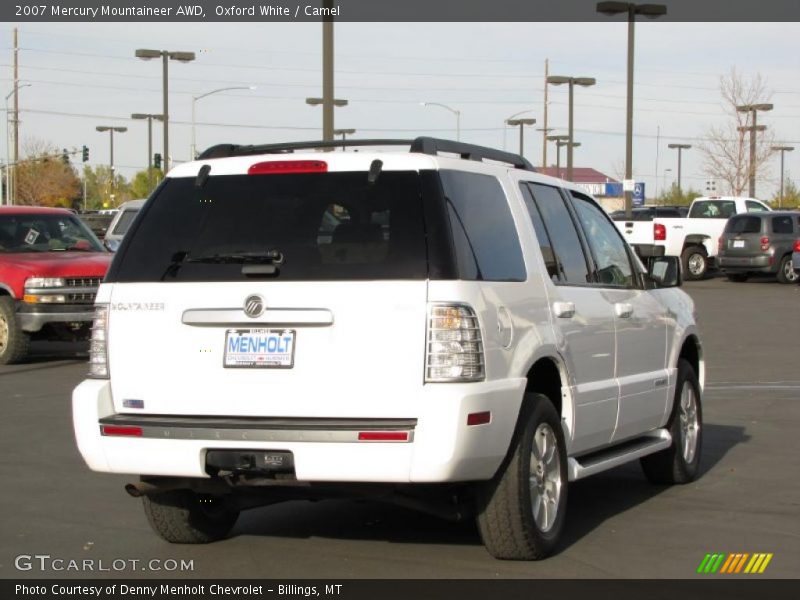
x=83, y=75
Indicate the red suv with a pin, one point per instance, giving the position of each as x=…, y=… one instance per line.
x=50, y=267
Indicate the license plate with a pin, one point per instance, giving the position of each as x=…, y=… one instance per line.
x=259, y=348
x=738, y=243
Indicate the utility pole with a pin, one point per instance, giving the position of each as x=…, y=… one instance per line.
x=544, y=126
x=13, y=172
x=327, y=74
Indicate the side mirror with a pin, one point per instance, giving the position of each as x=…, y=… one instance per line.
x=664, y=271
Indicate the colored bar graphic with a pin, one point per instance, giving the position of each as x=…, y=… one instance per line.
x=724, y=563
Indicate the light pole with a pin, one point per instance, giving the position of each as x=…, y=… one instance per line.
x=753, y=109
x=571, y=82
x=783, y=150
x=558, y=139
x=521, y=123
x=651, y=11
x=344, y=133
x=457, y=113
x=680, y=148
x=111, y=130
x=337, y=102
x=505, y=123
x=11, y=191
x=149, y=162
x=665, y=177
x=166, y=56
x=193, y=147
x=569, y=145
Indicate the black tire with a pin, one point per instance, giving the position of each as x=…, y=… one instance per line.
x=786, y=272
x=672, y=465
x=694, y=260
x=184, y=517
x=14, y=342
x=505, y=511
x=737, y=277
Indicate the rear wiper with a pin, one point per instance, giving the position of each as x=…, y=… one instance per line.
x=253, y=263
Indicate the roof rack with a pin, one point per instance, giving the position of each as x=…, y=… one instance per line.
x=420, y=145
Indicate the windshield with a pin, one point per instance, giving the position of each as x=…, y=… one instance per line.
x=311, y=226
x=713, y=209
x=45, y=233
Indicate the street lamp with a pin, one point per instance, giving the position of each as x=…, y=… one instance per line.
x=149, y=163
x=571, y=82
x=753, y=109
x=680, y=148
x=651, y=11
x=457, y=113
x=344, y=133
x=558, y=139
x=166, y=56
x=521, y=123
x=111, y=130
x=10, y=184
x=505, y=123
x=783, y=150
x=193, y=148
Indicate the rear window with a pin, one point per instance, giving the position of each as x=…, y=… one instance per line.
x=125, y=220
x=713, y=209
x=323, y=226
x=743, y=224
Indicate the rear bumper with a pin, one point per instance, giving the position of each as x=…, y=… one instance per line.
x=440, y=447
x=32, y=317
x=746, y=264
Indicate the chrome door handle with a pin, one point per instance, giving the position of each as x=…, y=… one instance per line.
x=623, y=310
x=564, y=310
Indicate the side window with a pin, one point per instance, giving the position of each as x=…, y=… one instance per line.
x=782, y=225
x=484, y=233
x=610, y=254
x=545, y=245
x=754, y=206
x=548, y=205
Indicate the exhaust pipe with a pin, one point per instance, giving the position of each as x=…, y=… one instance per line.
x=148, y=488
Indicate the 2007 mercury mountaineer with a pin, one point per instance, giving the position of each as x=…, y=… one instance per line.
x=439, y=326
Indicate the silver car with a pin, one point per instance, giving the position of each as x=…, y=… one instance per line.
x=122, y=221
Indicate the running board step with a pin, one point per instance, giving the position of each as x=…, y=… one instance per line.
x=613, y=457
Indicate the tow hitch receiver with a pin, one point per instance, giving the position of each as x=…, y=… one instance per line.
x=249, y=462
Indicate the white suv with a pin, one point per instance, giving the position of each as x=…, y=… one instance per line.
x=443, y=328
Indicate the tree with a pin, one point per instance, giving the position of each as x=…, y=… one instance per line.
x=43, y=178
x=791, y=195
x=99, y=191
x=140, y=184
x=677, y=197
x=727, y=149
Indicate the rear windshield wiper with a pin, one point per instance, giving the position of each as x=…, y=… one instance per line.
x=253, y=263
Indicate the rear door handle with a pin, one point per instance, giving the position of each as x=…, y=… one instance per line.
x=564, y=310
x=623, y=310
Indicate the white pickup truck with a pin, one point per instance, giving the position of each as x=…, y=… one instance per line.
x=693, y=238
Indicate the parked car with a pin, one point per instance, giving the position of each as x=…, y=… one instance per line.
x=693, y=238
x=759, y=243
x=98, y=221
x=121, y=222
x=51, y=265
x=796, y=258
x=460, y=335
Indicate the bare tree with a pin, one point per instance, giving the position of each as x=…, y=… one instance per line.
x=43, y=178
x=727, y=150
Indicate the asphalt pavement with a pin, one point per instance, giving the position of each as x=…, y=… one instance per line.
x=747, y=499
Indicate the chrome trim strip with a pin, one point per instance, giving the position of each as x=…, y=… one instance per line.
x=60, y=290
x=272, y=317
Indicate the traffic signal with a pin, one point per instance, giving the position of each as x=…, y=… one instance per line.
x=156, y=160
x=85, y=154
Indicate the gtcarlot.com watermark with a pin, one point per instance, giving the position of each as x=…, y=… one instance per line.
x=48, y=563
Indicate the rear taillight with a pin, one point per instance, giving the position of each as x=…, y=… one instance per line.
x=765, y=243
x=455, y=348
x=659, y=232
x=98, y=346
x=275, y=167
x=796, y=247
